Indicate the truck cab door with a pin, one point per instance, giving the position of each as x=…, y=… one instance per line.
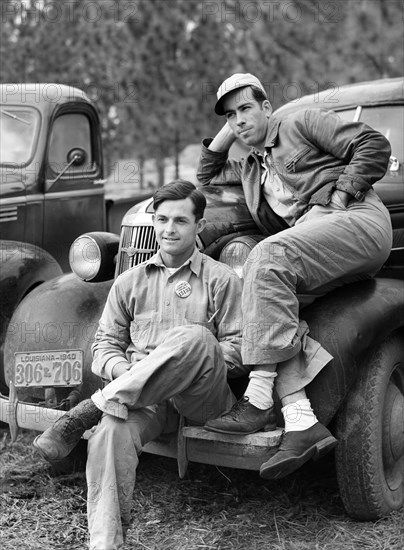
x=74, y=190
x=19, y=130
x=13, y=205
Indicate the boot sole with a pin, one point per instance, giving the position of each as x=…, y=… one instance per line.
x=288, y=465
x=266, y=428
x=40, y=450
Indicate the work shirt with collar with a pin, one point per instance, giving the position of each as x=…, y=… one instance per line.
x=145, y=302
x=277, y=195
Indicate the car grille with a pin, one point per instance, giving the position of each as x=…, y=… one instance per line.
x=137, y=244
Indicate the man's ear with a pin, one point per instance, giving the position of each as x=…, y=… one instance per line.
x=267, y=107
x=200, y=225
x=153, y=218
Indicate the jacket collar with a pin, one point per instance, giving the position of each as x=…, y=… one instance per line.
x=194, y=262
x=271, y=137
x=272, y=133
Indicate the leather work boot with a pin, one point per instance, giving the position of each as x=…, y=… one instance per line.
x=60, y=439
x=243, y=418
x=297, y=448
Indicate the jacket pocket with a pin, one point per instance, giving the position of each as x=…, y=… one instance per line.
x=290, y=164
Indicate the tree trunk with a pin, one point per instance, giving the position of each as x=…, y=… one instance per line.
x=141, y=172
x=177, y=153
x=160, y=164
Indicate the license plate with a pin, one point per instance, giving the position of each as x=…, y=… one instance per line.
x=51, y=368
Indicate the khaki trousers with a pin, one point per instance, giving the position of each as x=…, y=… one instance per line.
x=186, y=374
x=328, y=247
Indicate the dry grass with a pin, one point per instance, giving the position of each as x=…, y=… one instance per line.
x=211, y=509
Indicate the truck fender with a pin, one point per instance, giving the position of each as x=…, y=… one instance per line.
x=23, y=267
x=61, y=314
x=349, y=323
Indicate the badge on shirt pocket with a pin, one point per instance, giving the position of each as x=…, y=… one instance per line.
x=183, y=289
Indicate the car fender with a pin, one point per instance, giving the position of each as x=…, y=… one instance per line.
x=349, y=323
x=61, y=314
x=23, y=267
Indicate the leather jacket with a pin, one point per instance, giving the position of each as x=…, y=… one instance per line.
x=313, y=152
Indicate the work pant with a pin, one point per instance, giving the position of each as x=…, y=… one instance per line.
x=328, y=247
x=185, y=374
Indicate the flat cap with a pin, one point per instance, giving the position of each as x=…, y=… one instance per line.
x=234, y=82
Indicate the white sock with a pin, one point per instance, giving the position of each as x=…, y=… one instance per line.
x=260, y=387
x=298, y=416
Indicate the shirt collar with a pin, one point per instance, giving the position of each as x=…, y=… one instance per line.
x=194, y=262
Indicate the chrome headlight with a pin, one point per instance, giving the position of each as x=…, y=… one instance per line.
x=92, y=256
x=235, y=253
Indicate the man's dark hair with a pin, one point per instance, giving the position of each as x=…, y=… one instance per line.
x=178, y=190
x=258, y=95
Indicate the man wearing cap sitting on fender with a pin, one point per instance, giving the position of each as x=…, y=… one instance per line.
x=307, y=182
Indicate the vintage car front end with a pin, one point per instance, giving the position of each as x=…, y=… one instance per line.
x=48, y=341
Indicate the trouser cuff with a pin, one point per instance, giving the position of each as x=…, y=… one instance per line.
x=110, y=407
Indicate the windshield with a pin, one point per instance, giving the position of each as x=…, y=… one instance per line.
x=347, y=115
x=389, y=121
x=18, y=130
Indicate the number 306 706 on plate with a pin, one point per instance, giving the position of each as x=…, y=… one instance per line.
x=51, y=368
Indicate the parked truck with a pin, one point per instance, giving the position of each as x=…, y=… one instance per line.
x=360, y=393
x=52, y=186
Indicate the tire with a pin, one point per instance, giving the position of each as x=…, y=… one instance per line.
x=370, y=431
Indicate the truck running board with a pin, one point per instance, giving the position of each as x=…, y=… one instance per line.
x=194, y=444
x=189, y=443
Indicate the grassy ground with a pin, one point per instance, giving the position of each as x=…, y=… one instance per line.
x=220, y=509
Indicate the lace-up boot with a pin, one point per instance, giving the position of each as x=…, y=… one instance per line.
x=61, y=438
x=243, y=418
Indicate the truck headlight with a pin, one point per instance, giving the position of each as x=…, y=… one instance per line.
x=235, y=253
x=92, y=256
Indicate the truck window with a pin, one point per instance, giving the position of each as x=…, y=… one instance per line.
x=70, y=131
x=18, y=131
x=347, y=114
x=389, y=120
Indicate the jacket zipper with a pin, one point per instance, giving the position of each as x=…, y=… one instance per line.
x=291, y=164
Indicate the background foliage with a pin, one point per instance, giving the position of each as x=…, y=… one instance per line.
x=153, y=66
